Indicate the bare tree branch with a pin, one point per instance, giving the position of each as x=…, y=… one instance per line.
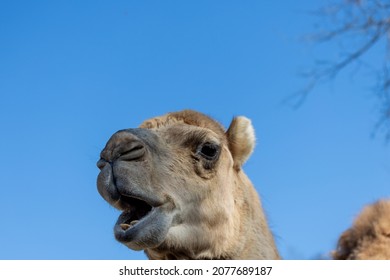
x=362, y=24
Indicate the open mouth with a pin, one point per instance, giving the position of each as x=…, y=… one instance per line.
x=144, y=223
x=135, y=211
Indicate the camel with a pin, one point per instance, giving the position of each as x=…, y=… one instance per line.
x=369, y=236
x=179, y=182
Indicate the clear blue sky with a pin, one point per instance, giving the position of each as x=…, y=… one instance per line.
x=74, y=72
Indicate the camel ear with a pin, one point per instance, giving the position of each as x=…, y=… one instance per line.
x=241, y=138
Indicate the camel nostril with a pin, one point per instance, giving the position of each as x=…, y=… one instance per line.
x=133, y=151
x=124, y=145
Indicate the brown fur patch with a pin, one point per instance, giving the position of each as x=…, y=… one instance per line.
x=187, y=117
x=369, y=237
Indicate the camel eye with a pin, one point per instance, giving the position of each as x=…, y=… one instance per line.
x=209, y=151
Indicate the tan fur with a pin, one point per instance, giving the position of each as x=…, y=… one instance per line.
x=369, y=237
x=214, y=211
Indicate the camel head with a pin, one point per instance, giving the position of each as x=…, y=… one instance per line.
x=179, y=183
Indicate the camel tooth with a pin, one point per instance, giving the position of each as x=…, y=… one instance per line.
x=132, y=223
x=125, y=226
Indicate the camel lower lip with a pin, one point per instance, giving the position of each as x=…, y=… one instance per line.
x=128, y=220
x=129, y=228
x=149, y=231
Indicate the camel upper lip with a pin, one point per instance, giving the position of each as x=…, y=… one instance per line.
x=116, y=193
